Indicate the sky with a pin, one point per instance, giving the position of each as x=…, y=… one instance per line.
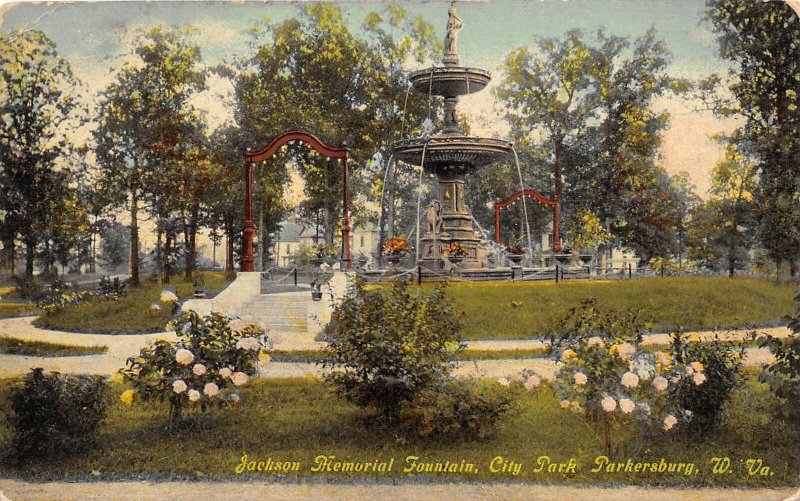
x=97, y=36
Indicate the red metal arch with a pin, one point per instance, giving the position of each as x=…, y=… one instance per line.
x=251, y=157
x=502, y=204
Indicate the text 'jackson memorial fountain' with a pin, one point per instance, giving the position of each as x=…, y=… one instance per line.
x=450, y=155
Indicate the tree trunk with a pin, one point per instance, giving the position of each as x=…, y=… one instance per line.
x=329, y=224
x=229, y=244
x=7, y=261
x=134, y=267
x=30, y=254
x=168, y=255
x=191, y=241
x=792, y=268
x=262, y=255
x=160, y=246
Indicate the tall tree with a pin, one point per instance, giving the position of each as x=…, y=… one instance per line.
x=38, y=106
x=762, y=40
x=582, y=110
x=314, y=72
x=148, y=129
x=722, y=229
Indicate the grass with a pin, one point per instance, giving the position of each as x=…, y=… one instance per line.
x=11, y=309
x=131, y=313
x=534, y=309
x=14, y=346
x=299, y=419
x=313, y=356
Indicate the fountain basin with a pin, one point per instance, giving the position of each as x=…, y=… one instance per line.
x=451, y=153
x=449, y=81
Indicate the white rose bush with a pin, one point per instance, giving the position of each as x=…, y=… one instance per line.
x=213, y=357
x=605, y=376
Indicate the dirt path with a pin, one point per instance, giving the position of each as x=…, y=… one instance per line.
x=147, y=491
x=120, y=347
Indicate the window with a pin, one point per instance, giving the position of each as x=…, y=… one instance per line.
x=362, y=241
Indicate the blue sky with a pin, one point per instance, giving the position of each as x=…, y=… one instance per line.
x=96, y=36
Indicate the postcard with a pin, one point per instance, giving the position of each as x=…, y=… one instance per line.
x=500, y=249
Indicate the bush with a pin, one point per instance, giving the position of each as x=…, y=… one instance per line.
x=455, y=406
x=386, y=345
x=213, y=355
x=390, y=349
x=783, y=375
x=56, y=414
x=607, y=377
x=722, y=364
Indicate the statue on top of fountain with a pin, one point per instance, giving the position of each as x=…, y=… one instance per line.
x=454, y=24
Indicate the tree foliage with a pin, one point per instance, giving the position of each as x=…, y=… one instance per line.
x=762, y=40
x=38, y=107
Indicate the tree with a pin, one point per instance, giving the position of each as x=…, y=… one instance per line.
x=115, y=245
x=721, y=232
x=314, y=72
x=149, y=133
x=762, y=40
x=585, y=110
x=548, y=91
x=38, y=105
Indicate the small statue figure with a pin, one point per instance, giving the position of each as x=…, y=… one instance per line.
x=434, y=218
x=454, y=24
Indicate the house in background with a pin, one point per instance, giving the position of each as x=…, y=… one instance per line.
x=294, y=237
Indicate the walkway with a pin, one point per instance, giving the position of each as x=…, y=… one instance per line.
x=17, y=490
x=121, y=347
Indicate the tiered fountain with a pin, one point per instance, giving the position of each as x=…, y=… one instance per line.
x=450, y=155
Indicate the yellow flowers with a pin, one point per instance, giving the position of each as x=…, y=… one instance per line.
x=263, y=357
x=568, y=355
x=127, y=397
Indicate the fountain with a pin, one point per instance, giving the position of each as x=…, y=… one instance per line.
x=450, y=155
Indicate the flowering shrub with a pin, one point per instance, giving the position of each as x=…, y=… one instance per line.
x=718, y=365
x=605, y=376
x=213, y=356
x=395, y=246
x=456, y=249
x=56, y=414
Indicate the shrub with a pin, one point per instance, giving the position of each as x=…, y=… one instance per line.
x=783, y=375
x=722, y=365
x=606, y=376
x=453, y=406
x=385, y=345
x=56, y=414
x=213, y=355
x=389, y=349
x=112, y=289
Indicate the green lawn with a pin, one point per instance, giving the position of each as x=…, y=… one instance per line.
x=14, y=346
x=11, y=309
x=131, y=313
x=504, y=310
x=298, y=420
x=312, y=356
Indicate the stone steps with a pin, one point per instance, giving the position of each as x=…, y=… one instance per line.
x=285, y=312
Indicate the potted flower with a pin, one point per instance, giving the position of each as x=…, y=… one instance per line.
x=515, y=253
x=395, y=249
x=455, y=252
x=327, y=254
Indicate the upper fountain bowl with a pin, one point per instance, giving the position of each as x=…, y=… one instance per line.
x=449, y=81
x=451, y=153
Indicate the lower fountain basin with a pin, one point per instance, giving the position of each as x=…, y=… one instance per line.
x=449, y=81
x=450, y=153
